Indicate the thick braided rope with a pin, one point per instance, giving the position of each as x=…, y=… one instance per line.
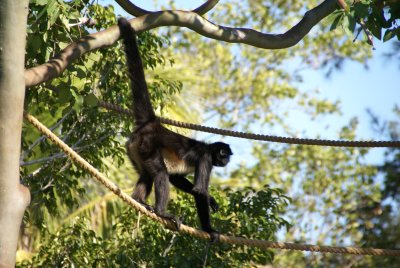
x=238, y=134
x=75, y=157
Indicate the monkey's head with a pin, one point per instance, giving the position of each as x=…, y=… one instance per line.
x=221, y=154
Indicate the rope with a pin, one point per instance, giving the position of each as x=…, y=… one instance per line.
x=75, y=157
x=260, y=137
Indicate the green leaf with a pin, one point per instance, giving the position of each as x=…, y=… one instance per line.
x=374, y=28
x=53, y=11
x=64, y=94
x=91, y=100
x=78, y=82
x=62, y=45
x=36, y=43
x=78, y=101
x=389, y=34
x=361, y=10
x=337, y=20
x=51, y=6
x=39, y=2
x=65, y=21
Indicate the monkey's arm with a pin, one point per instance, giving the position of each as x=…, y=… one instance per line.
x=202, y=174
x=180, y=182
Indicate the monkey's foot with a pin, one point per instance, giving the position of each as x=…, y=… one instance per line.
x=172, y=218
x=214, y=236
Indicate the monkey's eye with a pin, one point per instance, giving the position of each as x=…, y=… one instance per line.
x=223, y=153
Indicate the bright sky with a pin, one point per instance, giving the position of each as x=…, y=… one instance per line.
x=377, y=88
x=358, y=89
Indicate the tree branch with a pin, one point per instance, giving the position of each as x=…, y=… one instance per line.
x=136, y=11
x=342, y=4
x=108, y=37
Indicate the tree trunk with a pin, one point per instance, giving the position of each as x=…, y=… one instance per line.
x=13, y=196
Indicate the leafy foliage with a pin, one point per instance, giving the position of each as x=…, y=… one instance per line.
x=379, y=18
x=148, y=243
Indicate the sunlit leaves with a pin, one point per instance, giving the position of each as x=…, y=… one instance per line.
x=379, y=18
x=72, y=246
x=137, y=240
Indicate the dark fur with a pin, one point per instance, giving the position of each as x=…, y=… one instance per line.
x=161, y=156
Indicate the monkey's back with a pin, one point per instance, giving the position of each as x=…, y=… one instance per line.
x=154, y=138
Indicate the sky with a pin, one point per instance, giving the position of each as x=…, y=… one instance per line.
x=357, y=88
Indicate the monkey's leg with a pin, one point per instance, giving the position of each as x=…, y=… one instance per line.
x=143, y=189
x=180, y=182
x=156, y=168
x=203, y=210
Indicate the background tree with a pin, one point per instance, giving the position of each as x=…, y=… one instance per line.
x=13, y=197
x=73, y=221
x=380, y=220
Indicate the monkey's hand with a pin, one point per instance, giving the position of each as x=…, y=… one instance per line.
x=148, y=207
x=172, y=218
x=213, y=204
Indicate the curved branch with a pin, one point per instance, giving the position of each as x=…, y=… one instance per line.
x=136, y=11
x=132, y=9
x=207, y=6
x=108, y=37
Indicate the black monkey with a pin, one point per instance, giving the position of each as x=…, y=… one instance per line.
x=161, y=156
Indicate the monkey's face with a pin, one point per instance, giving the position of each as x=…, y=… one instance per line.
x=221, y=154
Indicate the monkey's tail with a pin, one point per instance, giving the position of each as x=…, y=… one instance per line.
x=143, y=110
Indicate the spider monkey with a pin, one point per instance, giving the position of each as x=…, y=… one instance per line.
x=161, y=156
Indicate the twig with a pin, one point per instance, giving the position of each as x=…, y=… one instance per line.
x=43, y=159
x=61, y=155
x=169, y=246
x=41, y=138
x=206, y=254
x=83, y=21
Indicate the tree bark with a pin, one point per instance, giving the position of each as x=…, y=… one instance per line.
x=13, y=196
